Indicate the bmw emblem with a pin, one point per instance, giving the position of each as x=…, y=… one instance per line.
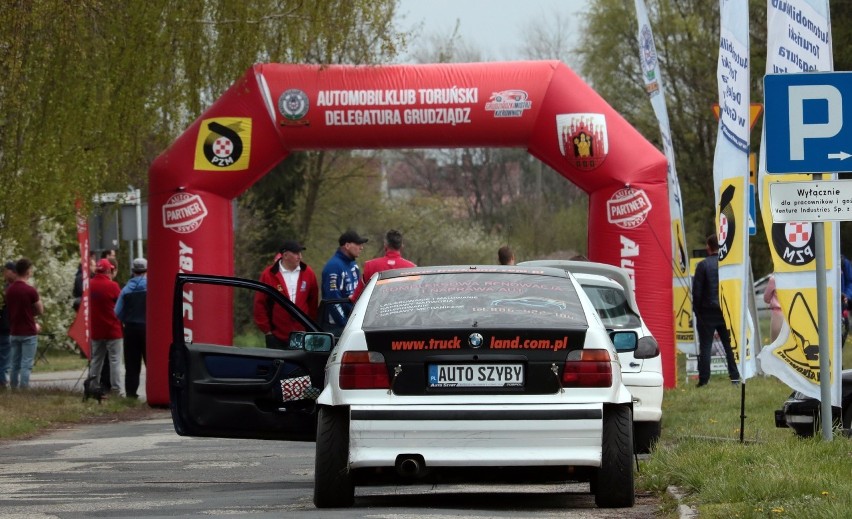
x=475, y=340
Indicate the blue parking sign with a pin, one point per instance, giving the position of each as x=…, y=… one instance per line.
x=804, y=120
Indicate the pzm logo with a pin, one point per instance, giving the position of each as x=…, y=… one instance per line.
x=798, y=256
x=794, y=242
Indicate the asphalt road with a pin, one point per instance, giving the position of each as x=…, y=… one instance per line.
x=143, y=469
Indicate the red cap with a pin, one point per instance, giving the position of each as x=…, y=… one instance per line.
x=104, y=265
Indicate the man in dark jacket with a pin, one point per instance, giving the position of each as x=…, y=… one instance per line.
x=708, y=314
x=341, y=276
x=130, y=310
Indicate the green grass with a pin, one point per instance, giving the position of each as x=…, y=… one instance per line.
x=772, y=474
x=26, y=412
x=58, y=356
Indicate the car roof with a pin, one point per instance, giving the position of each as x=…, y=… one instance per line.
x=475, y=269
x=592, y=268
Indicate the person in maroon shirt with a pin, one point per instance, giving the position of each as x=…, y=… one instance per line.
x=23, y=304
x=289, y=275
x=391, y=260
x=107, y=339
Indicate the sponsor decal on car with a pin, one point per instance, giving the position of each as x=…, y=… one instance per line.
x=494, y=343
x=224, y=144
x=528, y=344
x=184, y=212
x=582, y=139
x=453, y=343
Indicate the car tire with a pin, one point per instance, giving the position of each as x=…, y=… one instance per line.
x=847, y=417
x=645, y=435
x=614, y=485
x=333, y=485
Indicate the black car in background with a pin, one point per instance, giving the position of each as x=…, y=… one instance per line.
x=802, y=413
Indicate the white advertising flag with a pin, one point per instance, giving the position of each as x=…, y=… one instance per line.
x=682, y=311
x=730, y=177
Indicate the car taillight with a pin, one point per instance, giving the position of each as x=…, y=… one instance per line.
x=587, y=368
x=363, y=370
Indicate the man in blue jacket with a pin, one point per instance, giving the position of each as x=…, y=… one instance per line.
x=130, y=309
x=341, y=275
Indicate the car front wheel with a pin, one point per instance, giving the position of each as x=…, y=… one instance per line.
x=333, y=485
x=614, y=485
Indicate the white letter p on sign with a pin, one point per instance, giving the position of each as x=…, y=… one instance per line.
x=799, y=131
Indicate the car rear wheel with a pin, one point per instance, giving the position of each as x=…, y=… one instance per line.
x=614, y=485
x=333, y=485
x=645, y=435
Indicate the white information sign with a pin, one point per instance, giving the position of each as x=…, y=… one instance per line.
x=814, y=201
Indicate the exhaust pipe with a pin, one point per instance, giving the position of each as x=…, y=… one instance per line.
x=410, y=465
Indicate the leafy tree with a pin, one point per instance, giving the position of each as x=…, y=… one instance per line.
x=91, y=92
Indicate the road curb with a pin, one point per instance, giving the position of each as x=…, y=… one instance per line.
x=683, y=511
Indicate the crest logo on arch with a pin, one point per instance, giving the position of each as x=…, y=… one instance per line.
x=582, y=139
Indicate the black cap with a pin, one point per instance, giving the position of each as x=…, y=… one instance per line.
x=10, y=265
x=292, y=246
x=351, y=236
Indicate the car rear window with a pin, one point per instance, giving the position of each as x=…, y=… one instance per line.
x=612, y=306
x=502, y=300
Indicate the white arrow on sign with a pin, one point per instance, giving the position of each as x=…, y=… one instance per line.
x=842, y=155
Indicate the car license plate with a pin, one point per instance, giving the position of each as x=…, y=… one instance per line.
x=476, y=375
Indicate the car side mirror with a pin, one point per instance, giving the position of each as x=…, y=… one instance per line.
x=624, y=340
x=647, y=348
x=311, y=341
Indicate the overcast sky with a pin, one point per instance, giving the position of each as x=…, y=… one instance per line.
x=493, y=26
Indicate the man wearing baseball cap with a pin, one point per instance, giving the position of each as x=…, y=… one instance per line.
x=297, y=282
x=341, y=275
x=131, y=311
x=107, y=337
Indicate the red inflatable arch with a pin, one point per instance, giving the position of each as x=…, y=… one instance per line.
x=275, y=109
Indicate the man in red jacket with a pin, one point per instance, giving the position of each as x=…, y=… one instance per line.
x=391, y=260
x=293, y=278
x=107, y=338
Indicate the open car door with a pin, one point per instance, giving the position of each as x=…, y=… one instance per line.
x=239, y=388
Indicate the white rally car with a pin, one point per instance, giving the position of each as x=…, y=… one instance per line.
x=611, y=292
x=440, y=372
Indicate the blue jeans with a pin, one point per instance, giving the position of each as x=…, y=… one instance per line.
x=5, y=352
x=23, y=355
